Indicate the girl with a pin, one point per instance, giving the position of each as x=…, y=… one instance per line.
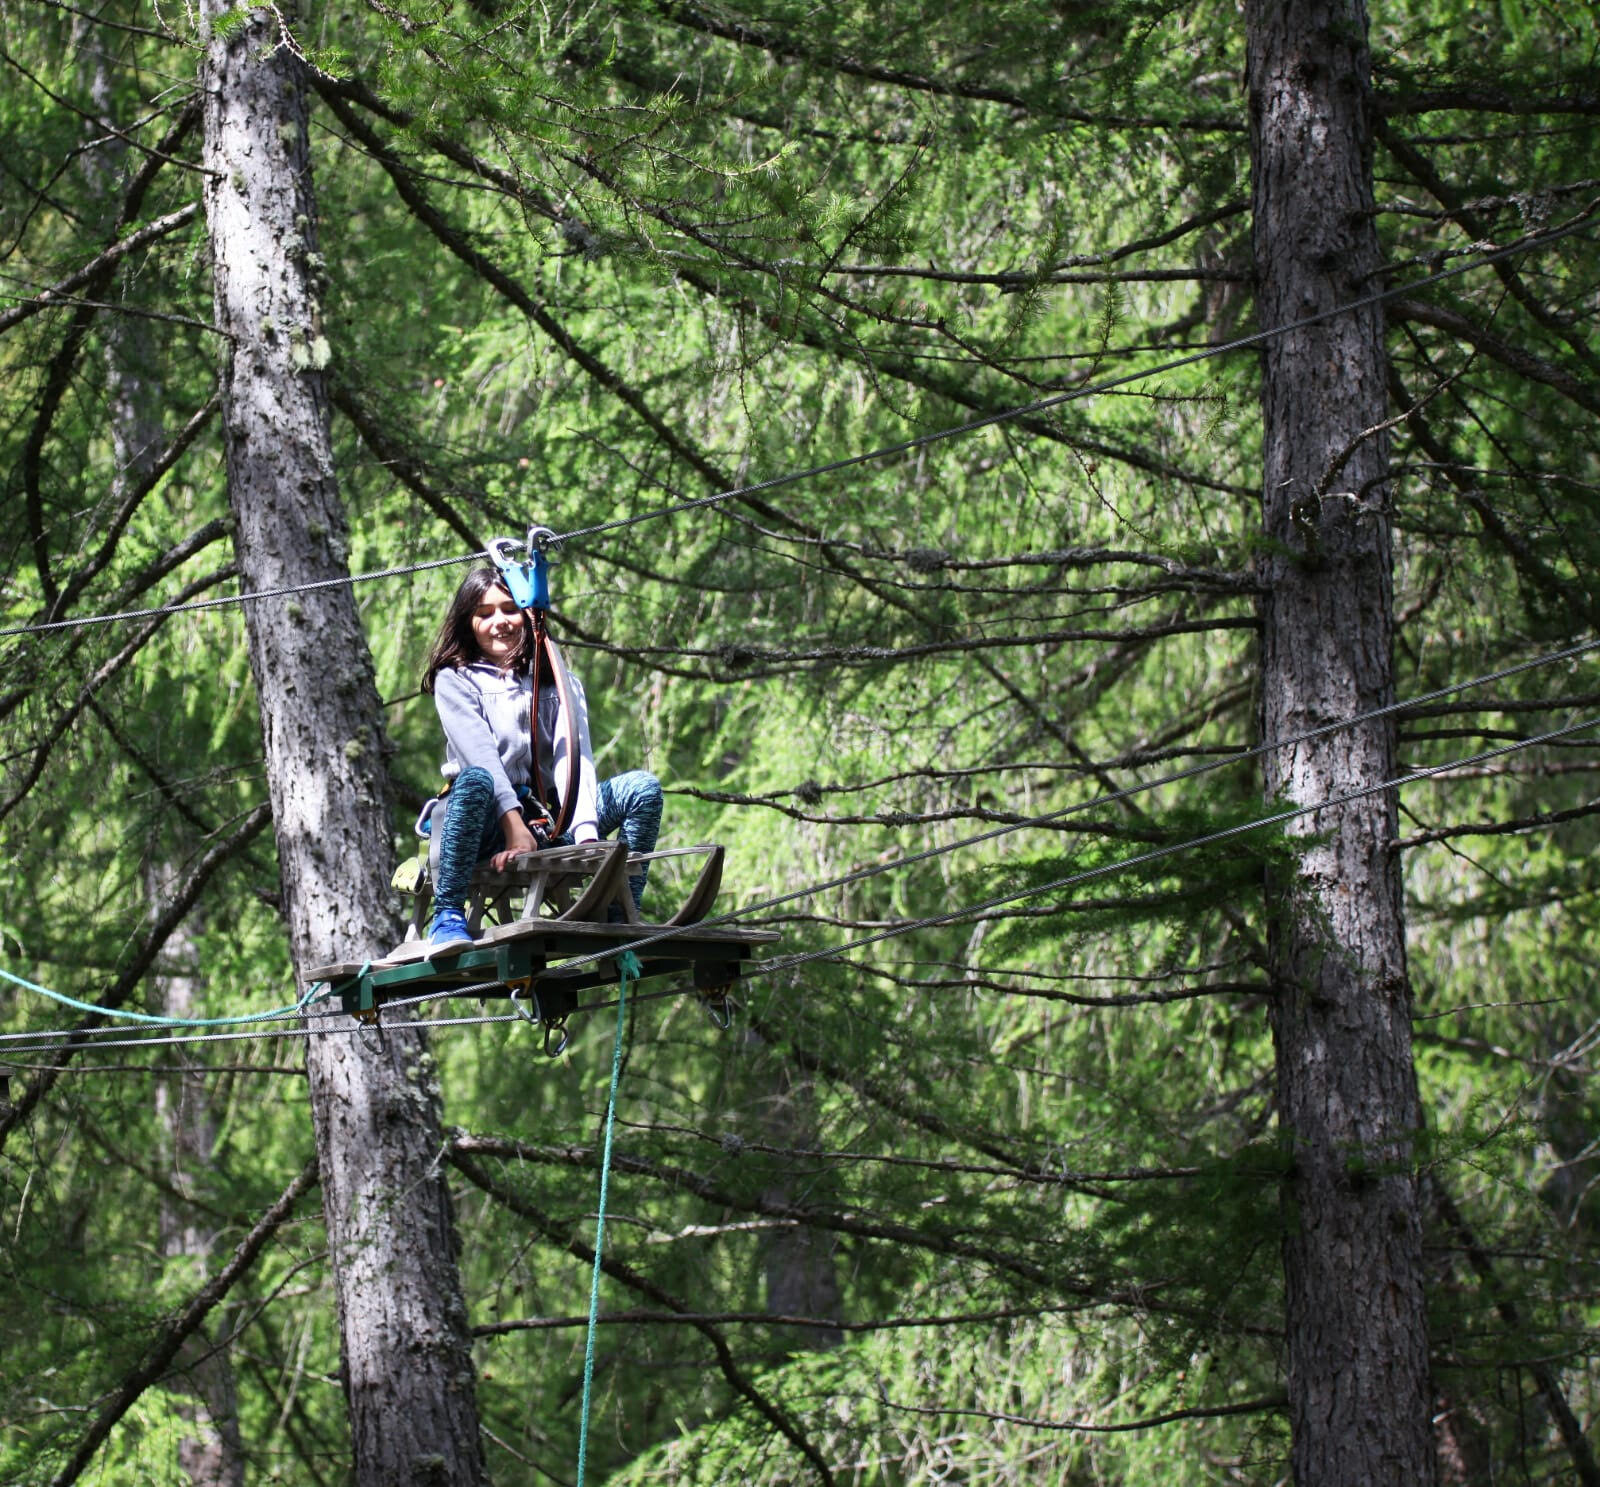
x=479, y=672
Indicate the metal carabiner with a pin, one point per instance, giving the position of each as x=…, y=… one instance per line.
x=555, y=1029
x=523, y=578
x=517, y=988
x=719, y=1006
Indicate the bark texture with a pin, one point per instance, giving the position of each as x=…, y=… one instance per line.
x=407, y=1364
x=801, y=1269
x=1347, y=1097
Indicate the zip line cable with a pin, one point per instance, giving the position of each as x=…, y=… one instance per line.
x=230, y=599
x=1113, y=797
x=919, y=441
x=1072, y=880
x=1055, y=400
x=767, y=968
x=860, y=874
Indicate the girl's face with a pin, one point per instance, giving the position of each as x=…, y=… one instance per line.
x=497, y=626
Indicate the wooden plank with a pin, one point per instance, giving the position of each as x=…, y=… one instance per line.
x=557, y=938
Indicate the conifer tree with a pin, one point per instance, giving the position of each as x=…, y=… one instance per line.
x=406, y=1365
x=1057, y=1154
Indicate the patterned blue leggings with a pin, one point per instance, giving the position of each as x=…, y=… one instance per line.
x=627, y=804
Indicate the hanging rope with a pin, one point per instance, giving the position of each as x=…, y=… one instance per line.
x=35, y=1041
x=314, y=993
x=629, y=969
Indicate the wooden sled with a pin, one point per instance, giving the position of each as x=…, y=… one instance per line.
x=544, y=909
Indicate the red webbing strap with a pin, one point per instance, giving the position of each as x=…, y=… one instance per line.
x=545, y=649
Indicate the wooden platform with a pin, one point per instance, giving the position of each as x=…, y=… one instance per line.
x=570, y=902
x=526, y=957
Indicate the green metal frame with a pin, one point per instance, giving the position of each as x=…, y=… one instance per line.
x=525, y=962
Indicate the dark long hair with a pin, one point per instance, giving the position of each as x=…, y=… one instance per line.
x=456, y=644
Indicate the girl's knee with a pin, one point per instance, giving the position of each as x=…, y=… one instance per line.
x=636, y=789
x=473, y=779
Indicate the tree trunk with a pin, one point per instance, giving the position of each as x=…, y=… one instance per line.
x=407, y=1363
x=801, y=1271
x=1347, y=1095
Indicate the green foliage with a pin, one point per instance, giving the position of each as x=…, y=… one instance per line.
x=1038, y=1140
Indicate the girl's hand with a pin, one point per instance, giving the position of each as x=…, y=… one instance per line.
x=518, y=840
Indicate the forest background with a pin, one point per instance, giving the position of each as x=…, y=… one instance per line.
x=1036, y=1191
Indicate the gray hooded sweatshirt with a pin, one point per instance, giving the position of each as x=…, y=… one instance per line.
x=484, y=713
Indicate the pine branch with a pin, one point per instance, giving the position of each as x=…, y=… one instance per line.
x=161, y=1353
x=1271, y=1404
x=1494, y=828
x=400, y=462
x=1514, y=358
x=1572, y=1433
x=358, y=91
x=897, y=820
x=743, y=661
x=1508, y=705
x=941, y=1166
x=177, y=910
x=701, y=1187
x=1399, y=99
x=149, y=478
x=1127, y=250
x=70, y=714
x=1490, y=522
x=640, y=1317
x=1421, y=170
x=977, y=981
x=177, y=801
x=59, y=373
x=787, y=48
x=814, y=1062
x=92, y=271
x=773, y=1413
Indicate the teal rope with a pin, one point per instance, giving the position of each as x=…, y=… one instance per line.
x=629, y=970
x=68, y=1001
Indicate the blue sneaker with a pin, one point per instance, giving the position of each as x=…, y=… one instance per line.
x=449, y=931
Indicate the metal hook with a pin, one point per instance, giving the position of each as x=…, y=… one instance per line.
x=553, y=1029
x=370, y=1030
x=516, y=1006
x=719, y=1007
x=524, y=578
